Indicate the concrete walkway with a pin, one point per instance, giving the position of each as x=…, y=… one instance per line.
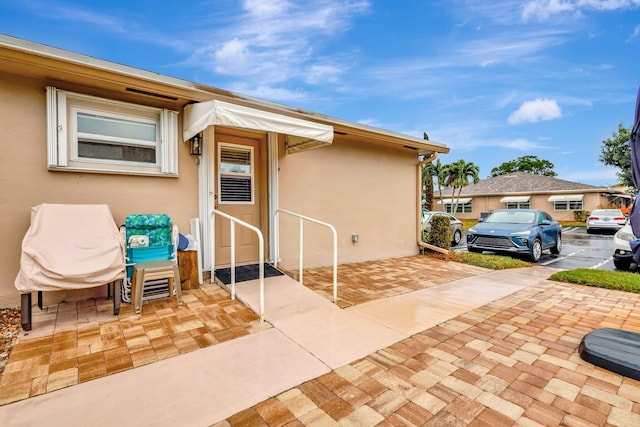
x=310, y=337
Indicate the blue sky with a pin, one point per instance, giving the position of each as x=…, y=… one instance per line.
x=494, y=80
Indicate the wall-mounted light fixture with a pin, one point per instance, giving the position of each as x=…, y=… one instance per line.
x=195, y=145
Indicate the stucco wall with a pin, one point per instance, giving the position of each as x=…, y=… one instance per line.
x=367, y=190
x=360, y=188
x=26, y=182
x=481, y=204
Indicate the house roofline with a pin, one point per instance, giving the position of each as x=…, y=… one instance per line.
x=194, y=92
x=534, y=193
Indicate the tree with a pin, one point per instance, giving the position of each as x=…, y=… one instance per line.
x=530, y=164
x=616, y=151
x=427, y=180
x=435, y=170
x=427, y=184
x=458, y=175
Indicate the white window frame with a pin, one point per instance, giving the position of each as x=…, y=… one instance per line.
x=461, y=208
x=62, y=134
x=237, y=147
x=569, y=205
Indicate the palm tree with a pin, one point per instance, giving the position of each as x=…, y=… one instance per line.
x=458, y=176
x=427, y=184
x=435, y=170
x=454, y=175
x=439, y=172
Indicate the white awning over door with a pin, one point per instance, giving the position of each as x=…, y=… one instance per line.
x=566, y=198
x=515, y=199
x=301, y=134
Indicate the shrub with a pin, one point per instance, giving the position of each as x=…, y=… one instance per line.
x=440, y=234
x=581, y=216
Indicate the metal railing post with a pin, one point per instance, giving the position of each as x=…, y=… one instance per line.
x=301, y=243
x=256, y=230
x=301, y=252
x=233, y=260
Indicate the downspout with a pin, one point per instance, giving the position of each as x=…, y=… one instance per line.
x=419, y=206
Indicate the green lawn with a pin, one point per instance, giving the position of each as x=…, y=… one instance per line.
x=618, y=280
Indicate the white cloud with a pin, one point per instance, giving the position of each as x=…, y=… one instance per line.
x=277, y=41
x=265, y=8
x=521, y=144
x=634, y=35
x=535, y=111
x=319, y=73
x=268, y=92
x=544, y=9
x=592, y=175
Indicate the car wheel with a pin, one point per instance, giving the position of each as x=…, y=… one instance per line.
x=536, y=251
x=457, y=236
x=558, y=246
x=589, y=231
x=622, y=265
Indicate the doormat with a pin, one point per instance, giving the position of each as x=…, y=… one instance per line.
x=246, y=272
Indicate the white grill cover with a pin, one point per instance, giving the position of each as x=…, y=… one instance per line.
x=302, y=134
x=70, y=247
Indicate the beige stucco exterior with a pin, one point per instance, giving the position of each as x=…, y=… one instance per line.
x=364, y=183
x=368, y=191
x=26, y=182
x=489, y=203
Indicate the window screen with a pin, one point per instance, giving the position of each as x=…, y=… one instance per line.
x=236, y=174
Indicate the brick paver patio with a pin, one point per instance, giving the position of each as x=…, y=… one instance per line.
x=511, y=362
x=84, y=341
x=89, y=342
x=367, y=281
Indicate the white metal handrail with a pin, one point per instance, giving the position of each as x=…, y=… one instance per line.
x=301, y=219
x=235, y=221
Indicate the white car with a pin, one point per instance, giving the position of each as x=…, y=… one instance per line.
x=622, y=255
x=605, y=219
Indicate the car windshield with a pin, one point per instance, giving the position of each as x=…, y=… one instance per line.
x=607, y=212
x=512, y=217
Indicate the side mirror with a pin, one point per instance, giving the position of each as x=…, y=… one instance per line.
x=545, y=222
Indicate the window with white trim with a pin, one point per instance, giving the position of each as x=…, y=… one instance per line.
x=235, y=174
x=460, y=208
x=91, y=134
x=568, y=205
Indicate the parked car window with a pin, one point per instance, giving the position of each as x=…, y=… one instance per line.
x=512, y=217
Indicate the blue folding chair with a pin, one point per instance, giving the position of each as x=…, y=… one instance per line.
x=148, y=238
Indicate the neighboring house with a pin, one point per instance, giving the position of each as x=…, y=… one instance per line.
x=76, y=129
x=558, y=197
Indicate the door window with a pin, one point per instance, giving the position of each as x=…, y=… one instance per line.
x=236, y=174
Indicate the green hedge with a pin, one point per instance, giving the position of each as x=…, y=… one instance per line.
x=581, y=216
x=440, y=232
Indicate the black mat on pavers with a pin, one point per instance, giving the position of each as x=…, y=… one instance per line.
x=246, y=272
x=613, y=349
